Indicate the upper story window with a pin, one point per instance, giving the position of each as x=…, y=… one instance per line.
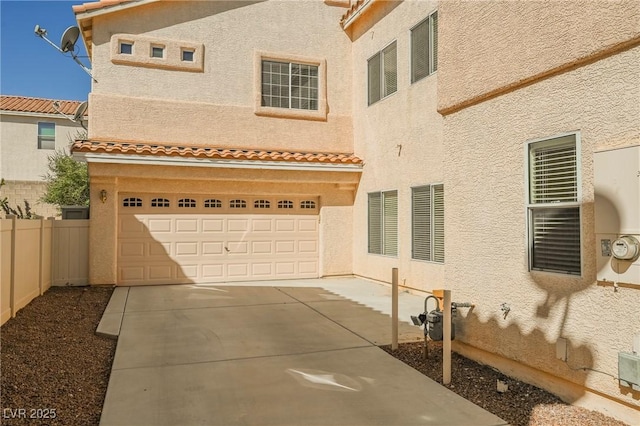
x=46, y=136
x=424, y=48
x=553, y=205
x=383, y=223
x=157, y=51
x=383, y=73
x=187, y=55
x=126, y=48
x=289, y=85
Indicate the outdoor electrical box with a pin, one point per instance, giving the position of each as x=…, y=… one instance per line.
x=617, y=214
x=75, y=212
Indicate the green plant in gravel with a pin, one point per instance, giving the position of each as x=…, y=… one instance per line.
x=67, y=181
x=18, y=212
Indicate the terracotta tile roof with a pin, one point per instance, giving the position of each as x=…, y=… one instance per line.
x=353, y=9
x=212, y=152
x=87, y=7
x=36, y=105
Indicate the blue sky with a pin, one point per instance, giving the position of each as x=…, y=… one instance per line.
x=29, y=66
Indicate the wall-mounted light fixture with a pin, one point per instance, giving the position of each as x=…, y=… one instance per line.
x=103, y=195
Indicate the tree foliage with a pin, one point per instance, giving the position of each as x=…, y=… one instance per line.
x=67, y=181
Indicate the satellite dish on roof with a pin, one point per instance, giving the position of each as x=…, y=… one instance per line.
x=78, y=115
x=67, y=43
x=69, y=38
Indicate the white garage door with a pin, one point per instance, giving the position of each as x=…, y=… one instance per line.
x=177, y=240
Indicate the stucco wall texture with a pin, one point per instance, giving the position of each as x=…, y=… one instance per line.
x=486, y=260
x=521, y=39
x=216, y=107
x=400, y=138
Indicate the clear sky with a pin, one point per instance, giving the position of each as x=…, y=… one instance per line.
x=29, y=66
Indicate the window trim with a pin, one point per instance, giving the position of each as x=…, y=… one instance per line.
x=319, y=114
x=433, y=237
x=530, y=206
x=382, y=79
x=433, y=65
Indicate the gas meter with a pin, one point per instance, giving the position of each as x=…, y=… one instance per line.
x=625, y=248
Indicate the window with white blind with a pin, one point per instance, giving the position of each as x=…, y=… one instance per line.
x=424, y=48
x=46, y=136
x=383, y=223
x=427, y=223
x=554, y=205
x=383, y=73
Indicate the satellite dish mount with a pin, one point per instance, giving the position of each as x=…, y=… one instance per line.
x=78, y=115
x=67, y=44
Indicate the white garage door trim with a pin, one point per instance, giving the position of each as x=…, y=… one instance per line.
x=163, y=245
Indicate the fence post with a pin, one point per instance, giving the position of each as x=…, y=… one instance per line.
x=394, y=309
x=446, y=344
x=41, y=263
x=12, y=280
x=53, y=250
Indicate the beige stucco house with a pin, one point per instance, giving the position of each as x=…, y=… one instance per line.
x=235, y=141
x=31, y=130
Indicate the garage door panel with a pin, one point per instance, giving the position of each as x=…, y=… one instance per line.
x=262, y=247
x=187, y=249
x=212, y=225
x=212, y=248
x=160, y=225
x=238, y=225
x=262, y=225
x=262, y=270
x=285, y=247
x=186, y=225
x=199, y=248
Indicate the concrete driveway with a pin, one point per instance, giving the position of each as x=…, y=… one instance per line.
x=273, y=353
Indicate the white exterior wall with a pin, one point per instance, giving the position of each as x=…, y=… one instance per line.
x=400, y=139
x=22, y=164
x=486, y=211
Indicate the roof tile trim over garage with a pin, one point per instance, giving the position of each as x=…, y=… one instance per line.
x=36, y=105
x=212, y=152
x=86, y=7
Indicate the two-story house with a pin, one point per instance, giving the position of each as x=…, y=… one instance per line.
x=32, y=130
x=456, y=141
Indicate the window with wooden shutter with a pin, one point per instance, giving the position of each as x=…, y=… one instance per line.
x=383, y=223
x=427, y=216
x=382, y=74
x=424, y=48
x=554, y=205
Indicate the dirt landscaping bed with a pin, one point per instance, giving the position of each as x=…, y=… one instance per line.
x=55, y=370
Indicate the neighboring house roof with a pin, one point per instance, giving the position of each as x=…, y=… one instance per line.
x=206, y=152
x=36, y=105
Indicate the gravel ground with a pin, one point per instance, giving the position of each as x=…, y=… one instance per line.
x=53, y=365
x=520, y=405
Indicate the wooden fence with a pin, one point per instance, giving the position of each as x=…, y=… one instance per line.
x=36, y=254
